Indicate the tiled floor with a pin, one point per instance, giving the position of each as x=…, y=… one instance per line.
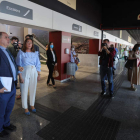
x=79, y=95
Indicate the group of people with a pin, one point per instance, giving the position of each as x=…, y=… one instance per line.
x=22, y=60
x=26, y=63
x=108, y=55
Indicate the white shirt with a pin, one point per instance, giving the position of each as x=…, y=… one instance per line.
x=125, y=53
x=53, y=56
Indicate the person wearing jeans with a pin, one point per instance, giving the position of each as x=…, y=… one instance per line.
x=106, y=66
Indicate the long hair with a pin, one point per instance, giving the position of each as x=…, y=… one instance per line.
x=135, y=47
x=24, y=45
x=49, y=45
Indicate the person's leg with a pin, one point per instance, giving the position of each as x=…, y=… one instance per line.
x=110, y=79
x=32, y=87
x=49, y=76
x=3, y=104
x=103, y=77
x=9, y=107
x=24, y=88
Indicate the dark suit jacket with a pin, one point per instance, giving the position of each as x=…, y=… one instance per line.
x=5, y=68
x=37, y=49
x=50, y=57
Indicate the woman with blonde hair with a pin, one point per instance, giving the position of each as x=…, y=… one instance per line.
x=134, y=72
x=29, y=60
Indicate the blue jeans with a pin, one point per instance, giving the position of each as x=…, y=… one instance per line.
x=109, y=72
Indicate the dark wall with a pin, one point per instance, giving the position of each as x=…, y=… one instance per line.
x=121, y=14
x=87, y=11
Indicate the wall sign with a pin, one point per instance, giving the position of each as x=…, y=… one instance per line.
x=77, y=27
x=66, y=39
x=96, y=33
x=16, y=10
x=70, y=3
x=138, y=17
x=104, y=36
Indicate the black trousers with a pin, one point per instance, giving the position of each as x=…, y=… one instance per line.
x=51, y=68
x=125, y=58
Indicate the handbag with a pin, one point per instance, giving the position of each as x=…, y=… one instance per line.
x=55, y=72
x=76, y=61
x=129, y=64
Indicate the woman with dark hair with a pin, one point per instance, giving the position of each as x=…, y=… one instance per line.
x=134, y=73
x=28, y=59
x=51, y=62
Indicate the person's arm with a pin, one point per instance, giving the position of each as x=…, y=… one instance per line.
x=38, y=66
x=50, y=60
x=2, y=88
x=19, y=65
x=100, y=52
x=55, y=58
x=111, y=53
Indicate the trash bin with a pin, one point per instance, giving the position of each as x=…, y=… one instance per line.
x=71, y=68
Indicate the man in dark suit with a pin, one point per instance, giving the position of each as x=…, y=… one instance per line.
x=8, y=68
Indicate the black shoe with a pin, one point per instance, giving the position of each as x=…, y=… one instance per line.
x=103, y=93
x=111, y=95
x=3, y=133
x=10, y=127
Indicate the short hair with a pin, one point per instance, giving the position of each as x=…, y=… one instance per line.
x=1, y=34
x=14, y=38
x=30, y=36
x=106, y=40
x=112, y=46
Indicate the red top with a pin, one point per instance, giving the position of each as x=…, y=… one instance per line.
x=111, y=56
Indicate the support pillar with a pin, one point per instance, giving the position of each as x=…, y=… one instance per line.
x=61, y=41
x=94, y=46
x=27, y=31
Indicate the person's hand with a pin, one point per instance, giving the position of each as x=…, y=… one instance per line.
x=55, y=64
x=38, y=78
x=2, y=90
x=20, y=69
x=104, y=47
x=21, y=80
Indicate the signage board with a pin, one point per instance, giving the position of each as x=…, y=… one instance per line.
x=104, y=36
x=77, y=27
x=16, y=10
x=66, y=39
x=96, y=33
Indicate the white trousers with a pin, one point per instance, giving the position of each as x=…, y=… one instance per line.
x=29, y=76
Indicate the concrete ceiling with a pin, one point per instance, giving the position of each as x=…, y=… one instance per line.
x=135, y=34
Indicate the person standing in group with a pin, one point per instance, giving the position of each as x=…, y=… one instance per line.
x=28, y=59
x=106, y=66
x=125, y=54
x=36, y=48
x=134, y=72
x=11, y=46
x=51, y=63
x=8, y=68
x=73, y=58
